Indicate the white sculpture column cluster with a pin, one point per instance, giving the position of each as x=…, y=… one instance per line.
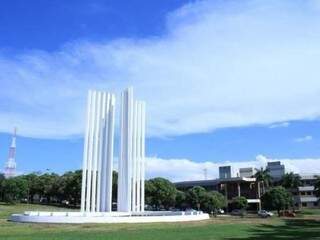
x=96, y=192
x=132, y=154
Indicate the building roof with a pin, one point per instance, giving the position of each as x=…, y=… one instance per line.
x=237, y=179
x=309, y=176
x=306, y=188
x=214, y=181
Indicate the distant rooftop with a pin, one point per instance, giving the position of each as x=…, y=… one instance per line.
x=214, y=181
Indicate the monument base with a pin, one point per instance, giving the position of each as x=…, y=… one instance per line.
x=108, y=217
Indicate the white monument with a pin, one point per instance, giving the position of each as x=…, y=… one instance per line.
x=132, y=152
x=96, y=192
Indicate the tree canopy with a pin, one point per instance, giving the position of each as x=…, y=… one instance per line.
x=48, y=187
x=196, y=196
x=291, y=180
x=160, y=193
x=239, y=203
x=277, y=198
x=180, y=201
x=214, y=201
x=14, y=189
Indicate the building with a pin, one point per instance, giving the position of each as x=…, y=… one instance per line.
x=305, y=195
x=225, y=172
x=276, y=170
x=230, y=188
x=246, y=172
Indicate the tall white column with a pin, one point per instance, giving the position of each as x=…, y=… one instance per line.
x=96, y=190
x=96, y=153
x=134, y=156
x=138, y=158
x=100, y=172
x=120, y=159
x=143, y=133
x=90, y=153
x=110, y=154
x=85, y=154
x=131, y=169
x=125, y=158
x=107, y=157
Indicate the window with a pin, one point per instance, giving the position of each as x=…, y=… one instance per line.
x=304, y=204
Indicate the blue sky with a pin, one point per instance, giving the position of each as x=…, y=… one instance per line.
x=47, y=25
x=224, y=81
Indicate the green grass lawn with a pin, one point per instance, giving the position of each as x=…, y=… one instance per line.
x=303, y=227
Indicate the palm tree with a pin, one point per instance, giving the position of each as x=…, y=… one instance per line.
x=291, y=180
x=263, y=178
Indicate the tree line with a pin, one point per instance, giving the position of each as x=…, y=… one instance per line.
x=160, y=193
x=51, y=188
x=45, y=188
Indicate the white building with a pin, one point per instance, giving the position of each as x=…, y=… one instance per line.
x=247, y=172
x=305, y=195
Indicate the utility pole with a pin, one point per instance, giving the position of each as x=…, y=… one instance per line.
x=205, y=173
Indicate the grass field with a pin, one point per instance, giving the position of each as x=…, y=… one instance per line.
x=305, y=226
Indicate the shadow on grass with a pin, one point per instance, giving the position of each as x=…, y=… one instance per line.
x=291, y=229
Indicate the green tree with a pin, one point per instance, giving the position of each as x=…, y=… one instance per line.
x=291, y=180
x=69, y=187
x=263, y=179
x=49, y=185
x=277, y=198
x=2, y=178
x=214, y=201
x=240, y=203
x=149, y=189
x=196, y=196
x=180, y=200
x=34, y=186
x=14, y=189
x=160, y=192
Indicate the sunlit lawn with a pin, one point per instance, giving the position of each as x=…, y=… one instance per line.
x=303, y=227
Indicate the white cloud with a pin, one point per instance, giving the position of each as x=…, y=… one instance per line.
x=185, y=169
x=218, y=65
x=304, y=139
